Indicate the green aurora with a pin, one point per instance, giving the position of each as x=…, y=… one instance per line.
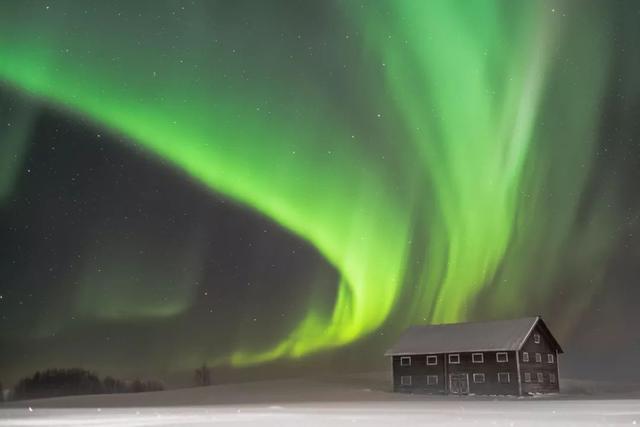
x=432, y=149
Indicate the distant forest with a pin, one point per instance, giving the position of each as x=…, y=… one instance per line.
x=65, y=382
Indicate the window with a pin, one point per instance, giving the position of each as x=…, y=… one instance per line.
x=502, y=357
x=549, y=358
x=405, y=380
x=536, y=338
x=504, y=377
x=477, y=358
x=527, y=377
x=478, y=378
x=432, y=379
x=525, y=356
x=540, y=376
x=432, y=360
x=552, y=378
x=538, y=358
x=405, y=361
x=454, y=359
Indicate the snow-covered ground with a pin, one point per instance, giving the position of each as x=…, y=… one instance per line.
x=313, y=403
x=497, y=413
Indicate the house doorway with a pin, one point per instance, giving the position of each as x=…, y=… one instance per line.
x=459, y=383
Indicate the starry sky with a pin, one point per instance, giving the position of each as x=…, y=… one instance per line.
x=267, y=186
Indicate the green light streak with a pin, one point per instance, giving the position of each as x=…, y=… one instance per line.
x=14, y=132
x=470, y=100
x=465, y=81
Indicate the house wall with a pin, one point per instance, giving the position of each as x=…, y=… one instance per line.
x=490, y=367
x=418, y=372
x=533, y=368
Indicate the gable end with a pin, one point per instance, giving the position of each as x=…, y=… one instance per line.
x=547, y=335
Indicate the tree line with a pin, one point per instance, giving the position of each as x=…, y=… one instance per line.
x=74, y=381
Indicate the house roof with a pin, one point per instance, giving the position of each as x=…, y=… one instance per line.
x=498, y=335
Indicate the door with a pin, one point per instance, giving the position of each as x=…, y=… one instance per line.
x=459, y=383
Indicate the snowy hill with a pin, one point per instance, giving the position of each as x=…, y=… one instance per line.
x=360, y=399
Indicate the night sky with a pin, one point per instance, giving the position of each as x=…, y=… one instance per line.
x=266, y=186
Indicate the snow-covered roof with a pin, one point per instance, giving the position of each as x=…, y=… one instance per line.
x=502, y=335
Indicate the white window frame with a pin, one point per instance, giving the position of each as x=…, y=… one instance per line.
x=430, y=378
x=550, y=358
x=502, y=353
x=538, y=358
x=457, y=356
x=525, y=356
x=508, y=377
x=404, y=359
x=478, y=378
x=536, y=338
x=404, y=381
x=434, y=358
x=552, y=378
x=540, y=377
x=527, y=377
x=473, y=357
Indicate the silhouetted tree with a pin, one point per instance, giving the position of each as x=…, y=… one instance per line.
x=61, y=382
x=58, y=382
x=154, y=385
x=109, y=385
x=137, y=386
x=203, y=376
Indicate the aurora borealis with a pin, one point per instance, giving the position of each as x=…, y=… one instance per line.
x=435, y=161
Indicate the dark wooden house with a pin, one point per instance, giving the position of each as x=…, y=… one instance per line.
x=504, y=357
